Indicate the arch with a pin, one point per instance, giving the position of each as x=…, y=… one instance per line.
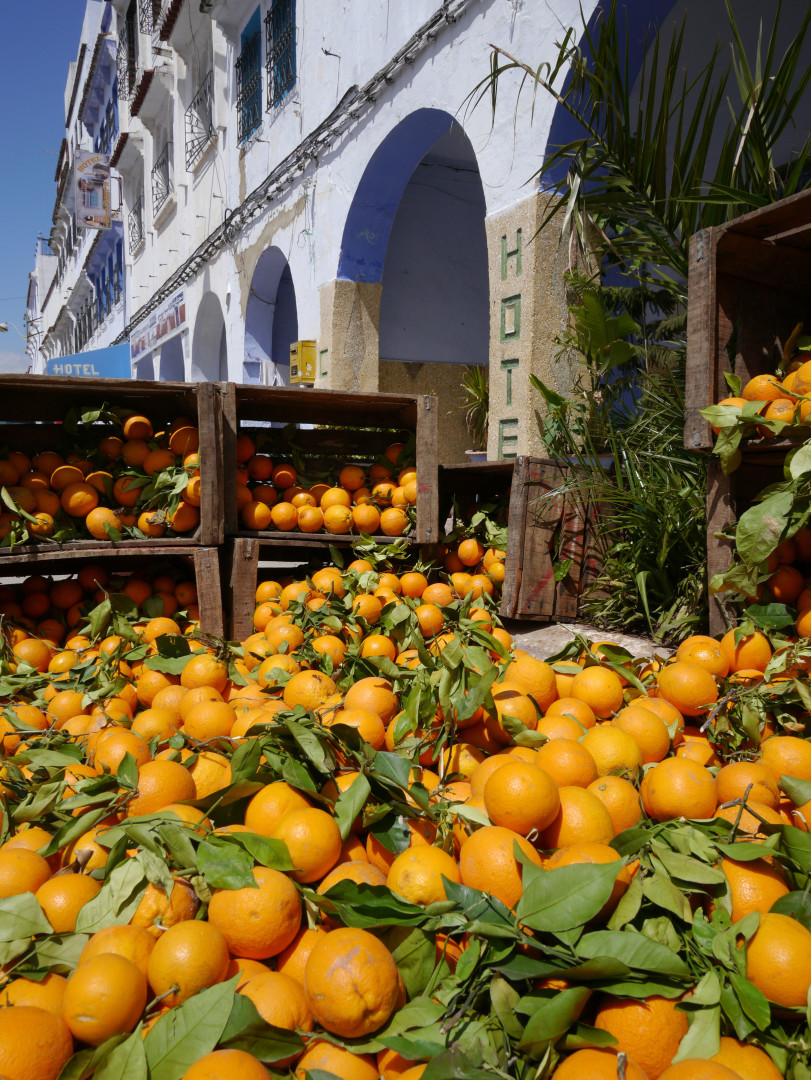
x=145, y=367
x=374, y=206
x=172, y=365
x=209, y=357
x=434, y=304
x=271, y=321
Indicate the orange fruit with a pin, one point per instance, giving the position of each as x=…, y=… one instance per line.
x=612, y=749
x=79, y=499
x=105, y=996
x=35, y=1044
x=356, y=871
x=778, y=960
x=698, y=1069
x=21, y=870
x=292, y=959
x=753, y=651
x=63, y=897
x=47, y=994
x=689, y=687
x=678, y=787
x=416, y=874
x=734, y=780
x=135, y=943
x=156, y=910
x=268, y=806
x=574, y=707
x=160, y=782
x=747, y=1060
x=394, y=521
x=706, y=652
x=313, y=840
x=227, y=1065
x=487, y=862
x=786, y=755
x=754, y=885
x=621, y=800
x=537, y=678
x=521, y=797
x=648, y=1031
x=600, y=688
x=581, y=817
x=373, y=694
x=258, y=922
x=352, y=982
x=560, y=726
x=333, y=1059
x=750, y=820
x=762, y=388
x=204, y=670
x=590, y=1064
x=647, y=730
x=567, y=761
x=190, y=956
x=308, y=688
x=281, y=1001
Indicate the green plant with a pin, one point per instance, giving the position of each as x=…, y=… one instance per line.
x=476, y=404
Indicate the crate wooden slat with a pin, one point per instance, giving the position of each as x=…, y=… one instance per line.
x=530, y=590
x=35, y=405
x=475, y=481
x=203, y=561
x=747, y=289
x=335, y=410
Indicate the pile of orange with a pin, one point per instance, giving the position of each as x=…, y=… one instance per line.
x=122, y=484
x=338, y=829
x=379, y=498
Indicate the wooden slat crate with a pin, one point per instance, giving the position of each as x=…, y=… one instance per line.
x=341, y=433
x=204, y=563
x=727, y=498
x=471, y=484
x=562, y=523
x=748, y=288
x=37, y=405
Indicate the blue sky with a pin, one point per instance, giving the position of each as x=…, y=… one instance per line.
x=39, y=40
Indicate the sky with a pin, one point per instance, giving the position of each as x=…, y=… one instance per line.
x=38, y=42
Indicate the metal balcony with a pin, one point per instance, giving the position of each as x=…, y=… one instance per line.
x=162, y=186
x=200, y=131
x=135, y=225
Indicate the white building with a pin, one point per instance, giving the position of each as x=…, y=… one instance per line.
x=313, y=170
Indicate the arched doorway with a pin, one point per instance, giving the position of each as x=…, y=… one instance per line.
x=271, y=321
x=209, y=358
x=172, y=365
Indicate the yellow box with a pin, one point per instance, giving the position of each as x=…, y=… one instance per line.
x=302, y=362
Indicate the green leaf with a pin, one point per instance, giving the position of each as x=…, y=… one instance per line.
x=752, y=1001
x=184, y=1034
x=117, y=901
x=247, y=1031
x=366, y=906
x=799, y=791
x=760, y=528
x=687, y=869
x=126, y=1062
x=225, y=865
x=350, y=803
x=504, y=998
x=268, y=852
x=633, y=949
x=567, y=896
x=59, y=952
x=392, y=767
x=662, y=892
x=415, y=957
x=85, y=1062
x=703, y=1038
x=22, y=917
x=553, y=1018
x=796, y=904
x=800, y=461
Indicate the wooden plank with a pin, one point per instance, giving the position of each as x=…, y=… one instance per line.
x=775, y=218
x=702, y=343
x=212, y=524
x=209, y=590
x=538, y=586
x=229, y=431
x=779, y=266
x=572, y=543
x=427, y=531
x=516, y=524
x=242, y=577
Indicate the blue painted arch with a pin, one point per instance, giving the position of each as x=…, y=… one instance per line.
x=371, y=216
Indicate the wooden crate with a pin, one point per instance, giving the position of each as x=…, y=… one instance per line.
x=242, y=572
x=470, y=484
x=727, y=498
x=748, y=287
x=561, y=522
x=203, y=561
x=38, y=405
x=342, y=422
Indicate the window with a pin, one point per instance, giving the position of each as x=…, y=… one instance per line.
x=127, y=58
x=162, y=185
x=280, y=46
x=249, y=80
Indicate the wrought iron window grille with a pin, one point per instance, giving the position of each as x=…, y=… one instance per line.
x=127, y=57
x=249, y=89
x=280, y=48
x=150, y=14
x=135, y=224
x=200, y=131
x=162, y=186
x=117, y=271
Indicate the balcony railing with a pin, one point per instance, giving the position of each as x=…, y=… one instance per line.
x=200, y=131
x=149, y=15
x=280, y=49
x=249, y=89
x=135, y=224
x=126, y=62
x=162, y=186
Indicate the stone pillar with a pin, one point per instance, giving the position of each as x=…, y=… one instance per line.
x=527, y=310
x=348, y=344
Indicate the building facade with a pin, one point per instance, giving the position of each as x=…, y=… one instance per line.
x=311, y=170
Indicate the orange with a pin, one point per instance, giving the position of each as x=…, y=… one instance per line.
x=753, y=651
x=135, y=943
x=762, y=388
x=378, y=645
x=63, y=897
x=750, y=820
x=678, y=787
x=308, y=688
x=47, y=994
x=600, y=688
x=114, y=743
x=159, y=783
x=79, y=499
x=281, y=1001
x=35, y=1044
x=748, y=1061
x=567, y=761
x=268, y=806
x=688, y=687
x=487, y=862
x=778, y=960
x=647, y=730
x=209, y=720
x=293, y=959
x=698, y=1069
x=649, y=1031
x=734, y=780
x=754, y=885
x=581, y=817
x=613, y=749
x=333, y=1059
x=204, y=670
x=190, y=955
x=368, y=725
x=375, y=695
x=706, y=652
x=574, y=707
x=105, y=996
x=394, y=521
x=313, y=840
x=430, y=619
x=521, y=797
x=537, y=678
x=156, y=910
x=416, y=874
x=786, y=585
x=352, y=983
x=786, y=755
x=21, y=871
x=621, y=800
x=592, y=1064
x=284, y=516
x=137, y=427
x=560, y=726
x=357, y=871
x=258, y=922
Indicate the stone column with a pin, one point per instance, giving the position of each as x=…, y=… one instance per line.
x=348, y=345
x=527, y=310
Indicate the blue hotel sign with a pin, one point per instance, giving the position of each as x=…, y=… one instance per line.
x=112, y=363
